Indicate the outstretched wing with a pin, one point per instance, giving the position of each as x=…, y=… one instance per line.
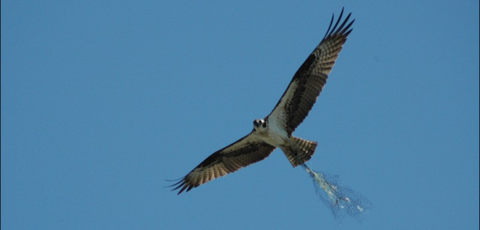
x=308, y=81
x=246, y=151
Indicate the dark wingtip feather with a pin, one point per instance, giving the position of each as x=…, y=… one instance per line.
x=329, y=27
x=183, y=188
x=342, y=29
x=180, y=183
x=338, y=20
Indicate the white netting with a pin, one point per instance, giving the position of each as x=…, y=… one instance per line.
x=341, y=200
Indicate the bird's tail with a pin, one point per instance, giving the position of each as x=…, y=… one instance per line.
x=299, y=151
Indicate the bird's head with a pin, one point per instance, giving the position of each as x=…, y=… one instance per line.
x=259, y=123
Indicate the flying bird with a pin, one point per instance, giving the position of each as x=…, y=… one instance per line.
x=276, y=129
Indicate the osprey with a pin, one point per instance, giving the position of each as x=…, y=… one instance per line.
x=277, y=128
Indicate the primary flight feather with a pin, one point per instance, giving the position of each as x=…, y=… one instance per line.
x=277, y=128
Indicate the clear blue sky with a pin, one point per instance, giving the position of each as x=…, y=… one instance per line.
x=101, y=101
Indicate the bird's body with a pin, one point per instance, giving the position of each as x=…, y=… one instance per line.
x=276, y=129
x=271, y=133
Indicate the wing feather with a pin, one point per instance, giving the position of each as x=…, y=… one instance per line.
x=243, y=152
x=309, y=80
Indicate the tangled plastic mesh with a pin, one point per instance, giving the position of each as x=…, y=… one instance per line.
x=341, y=200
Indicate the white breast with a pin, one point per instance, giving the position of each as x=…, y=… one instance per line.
x=274, y=134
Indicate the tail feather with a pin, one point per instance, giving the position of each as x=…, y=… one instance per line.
x=299, y=151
